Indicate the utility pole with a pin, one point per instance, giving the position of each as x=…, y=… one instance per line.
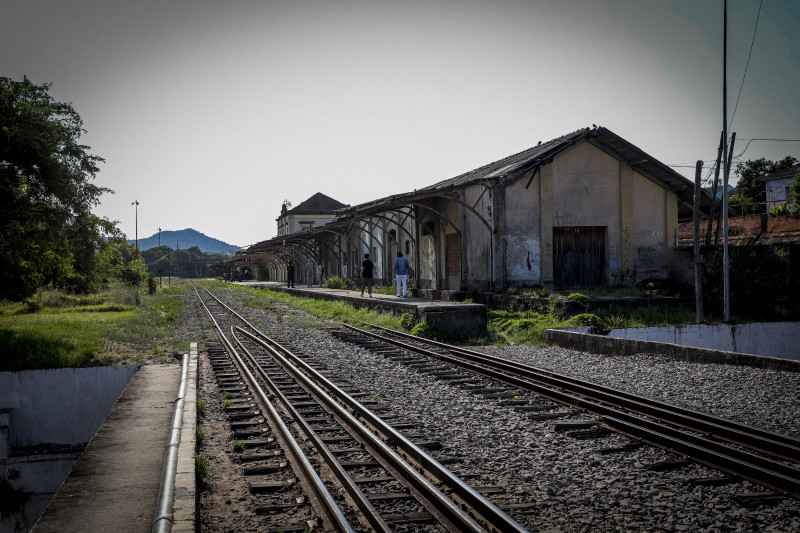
x=714, y=189
x=698, y=279
x=728, y=166
x=136, y=203
x=160, y=270
x=726, y=261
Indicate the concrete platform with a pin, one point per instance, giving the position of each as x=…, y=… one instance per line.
x=455, y=318
x=114, y=485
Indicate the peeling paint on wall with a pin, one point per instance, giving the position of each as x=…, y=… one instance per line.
x=427, y=261
x=565, y=218
x=523, y=258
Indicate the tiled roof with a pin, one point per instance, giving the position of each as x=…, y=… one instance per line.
x=319, y=203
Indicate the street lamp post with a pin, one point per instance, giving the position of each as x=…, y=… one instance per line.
x=160, y=270
x=136, y=203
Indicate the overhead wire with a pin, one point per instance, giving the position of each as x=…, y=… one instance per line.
x=751, y=140
x=750, y=53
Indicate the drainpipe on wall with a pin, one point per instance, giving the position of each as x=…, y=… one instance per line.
x=415, y=210
x=491, y=233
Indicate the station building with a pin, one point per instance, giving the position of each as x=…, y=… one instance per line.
x=585, y=209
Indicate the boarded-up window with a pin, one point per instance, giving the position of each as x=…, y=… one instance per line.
x=452, y=253
x=579, y=255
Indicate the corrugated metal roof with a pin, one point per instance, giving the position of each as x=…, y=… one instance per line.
x=514, y=166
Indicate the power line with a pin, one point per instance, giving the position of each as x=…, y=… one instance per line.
x=758, y=16
x=773, y=140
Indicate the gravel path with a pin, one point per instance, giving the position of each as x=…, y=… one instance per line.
x=574, y=486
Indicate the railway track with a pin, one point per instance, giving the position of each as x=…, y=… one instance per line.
x=740, y=451
x=357, y=471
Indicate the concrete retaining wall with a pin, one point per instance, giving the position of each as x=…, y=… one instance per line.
x=62, y=406
x=580, y=339
x=771, y=339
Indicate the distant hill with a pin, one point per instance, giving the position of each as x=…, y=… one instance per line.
x=186, y=239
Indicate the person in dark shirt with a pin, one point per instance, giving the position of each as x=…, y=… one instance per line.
x=366, y=275
x=290, y=275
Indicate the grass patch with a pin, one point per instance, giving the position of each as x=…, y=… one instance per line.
x=276, y=303
x=202, y=466
x=120, y=325
x=504, y=326
x=527, y=327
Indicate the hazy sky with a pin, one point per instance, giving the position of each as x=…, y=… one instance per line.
x=212, y=113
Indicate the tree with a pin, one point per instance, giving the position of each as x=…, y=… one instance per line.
x=48, y=234
x=120, y=259
x=794, y=193
x=751, y=187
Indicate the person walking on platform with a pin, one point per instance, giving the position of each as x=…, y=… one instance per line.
x=310, y=272
x=401, y=273
x=290, y=275
x=366, y=274
x=320, y=273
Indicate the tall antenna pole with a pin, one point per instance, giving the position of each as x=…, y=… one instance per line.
x=725, y=256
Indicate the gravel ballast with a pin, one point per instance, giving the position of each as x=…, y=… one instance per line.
x=575, y=487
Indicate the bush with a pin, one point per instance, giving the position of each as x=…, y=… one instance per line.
x=757, y=275
x=426, y=331
x=408, y=321
x=335, y=282
x=578, y=297
x=587, y=319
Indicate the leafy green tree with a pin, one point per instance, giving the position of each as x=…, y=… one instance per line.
x=751, y=187
x=121, y=260
x=48, y=234
x=794, y=193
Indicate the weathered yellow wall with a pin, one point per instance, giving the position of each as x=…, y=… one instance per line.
x=522, y=243
x=546, y=223
x=650, y=235
x=585, y=186
x=476, y=239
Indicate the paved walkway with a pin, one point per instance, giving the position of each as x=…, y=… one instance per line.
x=114, y=485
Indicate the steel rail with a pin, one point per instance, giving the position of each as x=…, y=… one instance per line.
x=357, y=495
x=751, y=437
x=333, y=518
x=491, y=514
x=760, y=470
x=440, y=505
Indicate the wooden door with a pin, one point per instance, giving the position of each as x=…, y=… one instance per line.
x=579, y=256
x=452, y=259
